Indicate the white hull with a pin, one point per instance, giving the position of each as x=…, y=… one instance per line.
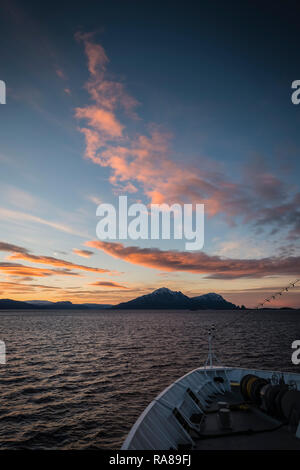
x=158, y=429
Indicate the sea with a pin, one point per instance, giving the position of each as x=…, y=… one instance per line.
x=80, y=379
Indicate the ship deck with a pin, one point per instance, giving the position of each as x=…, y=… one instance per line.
x=186, y=415
x=276, y=435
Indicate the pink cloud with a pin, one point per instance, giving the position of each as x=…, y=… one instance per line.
x=146, y=162
x=60, y=73
x=97, y=58
x=101, y=120
x=214, y=267
x=143, y=159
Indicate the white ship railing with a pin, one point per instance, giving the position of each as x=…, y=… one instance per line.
x=159, y=429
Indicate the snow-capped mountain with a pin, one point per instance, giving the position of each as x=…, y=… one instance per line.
x=213, y=301
x=164, y=298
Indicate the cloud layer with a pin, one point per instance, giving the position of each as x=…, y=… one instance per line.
x=146, y=161
x=113, y=285
x=21, y=253
x=83, y=253
x=213, y=267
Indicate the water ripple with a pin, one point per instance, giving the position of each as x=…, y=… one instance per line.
x=79, y=380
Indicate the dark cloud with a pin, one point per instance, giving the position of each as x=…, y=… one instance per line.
x=83, y=253
x=108, y=284
x=214, y=267
x=12, y=248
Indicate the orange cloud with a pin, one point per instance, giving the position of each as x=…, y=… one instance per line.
x=83, y=253
x=16, y=269
x=20, y=287
x=214, y=267
x=114, y=285
x=55, y=262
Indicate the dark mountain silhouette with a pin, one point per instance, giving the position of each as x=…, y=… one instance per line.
x=8, y=304
x=212, y=301
x=164, y=298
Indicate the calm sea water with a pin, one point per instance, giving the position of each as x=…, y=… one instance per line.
x=79, y=380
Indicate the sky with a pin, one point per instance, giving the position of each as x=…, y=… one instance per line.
x=164, y=102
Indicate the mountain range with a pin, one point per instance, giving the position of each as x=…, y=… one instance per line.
x=165, y=298
x=8, y=304
x=162, y=298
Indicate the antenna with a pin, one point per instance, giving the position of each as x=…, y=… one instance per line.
x=211, y=353
x=211, y=357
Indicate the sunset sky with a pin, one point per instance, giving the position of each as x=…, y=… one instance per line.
x=162, y=102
